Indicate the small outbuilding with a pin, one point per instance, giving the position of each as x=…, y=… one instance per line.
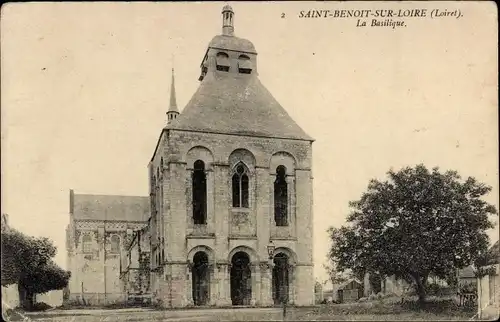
x=349, y=291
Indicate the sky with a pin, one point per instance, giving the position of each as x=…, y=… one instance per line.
x=85, y=88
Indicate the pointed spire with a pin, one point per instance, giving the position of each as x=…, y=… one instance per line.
x=173, y=111
x=173, y=101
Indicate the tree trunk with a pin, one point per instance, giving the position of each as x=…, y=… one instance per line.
x=420, y=282
x=31, y=300
x=421, y=292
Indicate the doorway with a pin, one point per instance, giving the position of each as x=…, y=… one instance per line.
x=241, y=279
x=280, y=283
x=201, y=279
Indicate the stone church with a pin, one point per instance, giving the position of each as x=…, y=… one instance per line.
x=230, y=175
x=100, y=230
x=230, y=217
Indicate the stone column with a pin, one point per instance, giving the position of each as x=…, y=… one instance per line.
x=256, y=285
x=253, y=271
x=290, y=182
x=227, y=285
x=189, y=284
x=291, y=282
x=266, y=280
x=214, y=283
x=223, y=298
x=272, y=223
x=189, y=199
x=210, y=200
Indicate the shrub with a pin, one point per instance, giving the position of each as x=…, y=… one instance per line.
x=433, y=289
x=468, y=288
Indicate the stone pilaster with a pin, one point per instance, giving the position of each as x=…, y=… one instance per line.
x=291, y=284
x=256, y=284
x=290, y=181
x=210, y=201
x=266, y=280
x=189, y=284
x=212, y=268
x=272, y=223
x=224, y=295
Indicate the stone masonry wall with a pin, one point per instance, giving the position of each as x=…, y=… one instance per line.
x=227, y=229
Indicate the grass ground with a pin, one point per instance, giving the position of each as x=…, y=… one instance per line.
x=378, y=310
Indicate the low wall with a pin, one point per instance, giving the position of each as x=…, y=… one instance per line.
x=10, y=296
x=96, y=299
x=52, y=298
x=488, y=290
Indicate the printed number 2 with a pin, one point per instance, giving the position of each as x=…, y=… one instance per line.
x=283, y=15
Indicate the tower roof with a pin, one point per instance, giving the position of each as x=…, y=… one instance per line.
x=236, y=104
x=232, y=43
x=227, y=8
x=230, y=102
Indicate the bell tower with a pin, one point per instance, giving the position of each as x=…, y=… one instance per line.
x=227, y=21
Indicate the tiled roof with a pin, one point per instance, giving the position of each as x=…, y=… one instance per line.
x=236, y=104
x=110, y=208
x=349, y=281
x=466, y=272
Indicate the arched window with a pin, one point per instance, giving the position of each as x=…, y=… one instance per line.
x=115, y=244
x=281, y=197
x=240, y=186
x=244, y=64
x=199, y=193
x=87, y=243
x=223, y=62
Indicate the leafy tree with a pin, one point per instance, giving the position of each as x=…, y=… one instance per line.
x=45, y=278
x=27, y=261
x=334, y=275
x=419, y=222
x=22, y=253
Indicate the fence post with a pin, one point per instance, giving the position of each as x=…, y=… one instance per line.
x=479, y=295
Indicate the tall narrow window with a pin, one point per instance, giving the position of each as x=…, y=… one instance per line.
x=199, y=193
x=240, y=187
x=281, y=197
x=87, y=243
x=115, y=244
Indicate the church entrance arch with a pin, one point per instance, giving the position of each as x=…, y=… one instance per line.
x=281, y=285
x=201, y=279
x=241, y=279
